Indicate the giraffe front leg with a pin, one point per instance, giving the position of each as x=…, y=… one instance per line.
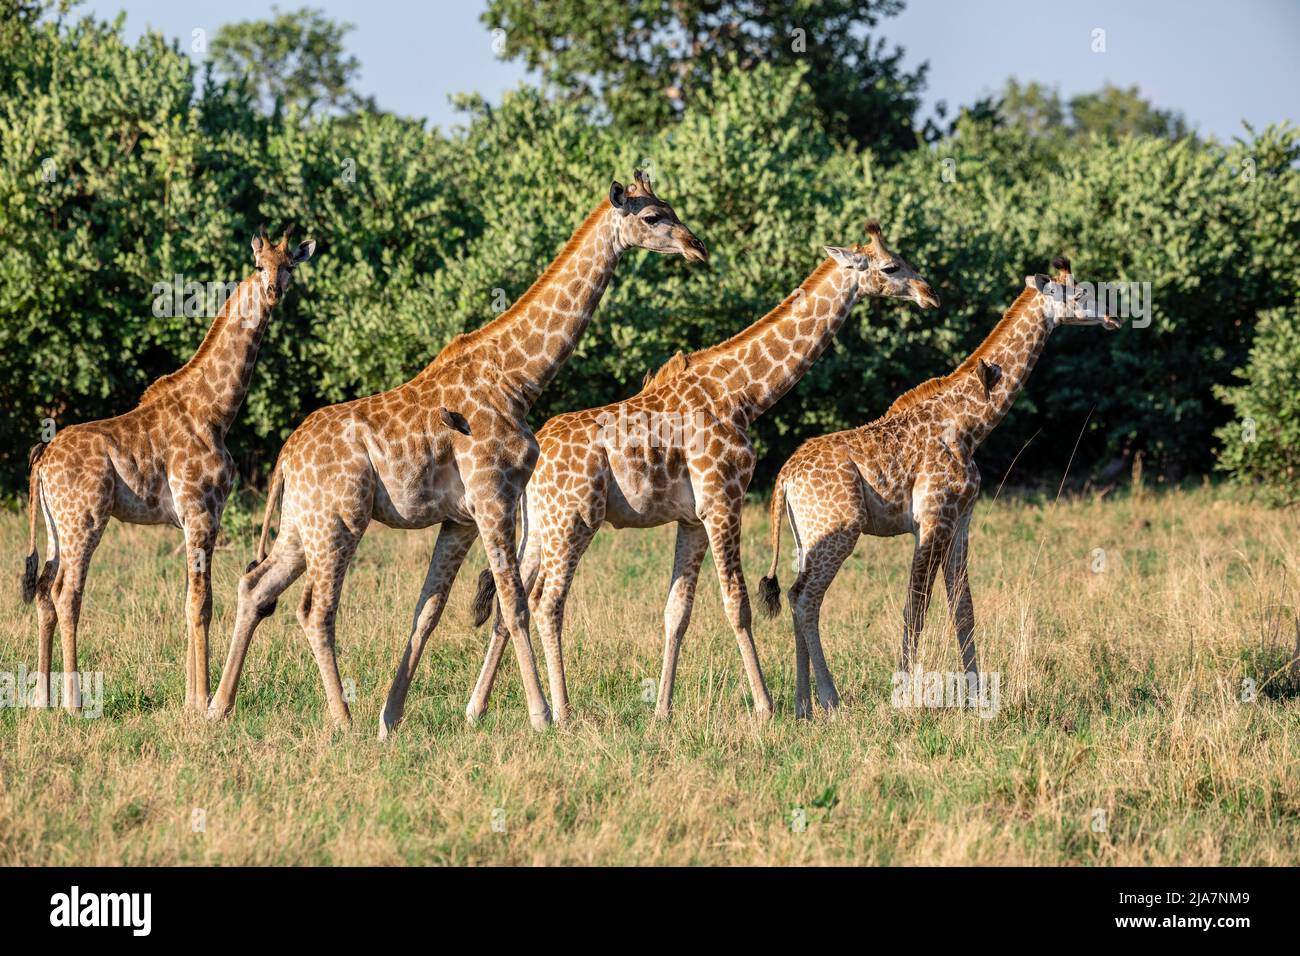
x=533, y=580
x=960, y=607
x=931, y=544
x=723, y=527
x=200, y=541
x=497, y=527
x=692, y=543
x=454, y=541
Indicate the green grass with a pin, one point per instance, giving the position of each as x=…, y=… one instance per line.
x=1121, y=692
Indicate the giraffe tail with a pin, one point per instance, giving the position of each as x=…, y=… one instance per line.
x=484, y=596
x=769, y=589
x=32, y=566
x=272, y=492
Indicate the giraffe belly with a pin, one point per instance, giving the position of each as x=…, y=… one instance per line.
x=144, y=499
x=645, y=504
x=438, y=497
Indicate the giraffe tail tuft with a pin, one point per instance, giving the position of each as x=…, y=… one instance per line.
x=29, y=577
x=769, y=589
x=769, y=592
x=484, y=596
x=32, y=566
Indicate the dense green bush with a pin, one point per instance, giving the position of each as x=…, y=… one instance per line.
x=117, y=172
x=1263, y=443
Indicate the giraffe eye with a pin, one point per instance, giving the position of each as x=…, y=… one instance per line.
x=890, y=269
x=653, y=219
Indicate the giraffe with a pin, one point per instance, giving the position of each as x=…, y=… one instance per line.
x=912, y=470
x=687, y=459
x=163, y=462
x=450, y=447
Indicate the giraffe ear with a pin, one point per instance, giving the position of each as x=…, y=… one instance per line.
x=1039, y=282
x=617, y=194
x=989, y=375
x=304, y=251
x=257, y=245
x=454, y=420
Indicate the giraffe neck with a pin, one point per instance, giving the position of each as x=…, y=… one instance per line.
x=213, y=383
x=535, y=336
x=1013, y=346
x=755, y=368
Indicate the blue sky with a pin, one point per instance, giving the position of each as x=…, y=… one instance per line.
x=1218, y=63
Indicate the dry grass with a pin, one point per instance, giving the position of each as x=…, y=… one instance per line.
x=1121, y=691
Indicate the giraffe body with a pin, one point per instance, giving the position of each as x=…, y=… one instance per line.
x=163, y=462
x=911, y=471
x=451, y=447
x=688, y=459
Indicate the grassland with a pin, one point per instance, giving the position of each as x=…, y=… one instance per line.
x=1121, y=692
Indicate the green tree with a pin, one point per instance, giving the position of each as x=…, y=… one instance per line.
x=293, y=59
x=1262, y=444
x=648, y=61
x=1111, y=112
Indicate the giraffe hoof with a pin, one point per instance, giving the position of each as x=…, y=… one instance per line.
x=217, y=712
x=540, y=722
x=763, y=714
x=388, y=725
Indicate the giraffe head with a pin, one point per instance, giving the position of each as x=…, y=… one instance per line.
x=647, y=222
x=275, y=263
x=1066, y=303
x=883, y=273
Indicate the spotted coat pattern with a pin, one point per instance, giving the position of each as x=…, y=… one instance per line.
x=451, y=447
x=679, y=451
x=163, y=462
x=911, y=471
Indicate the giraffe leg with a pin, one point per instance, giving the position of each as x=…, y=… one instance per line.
x=69, y=586
x=930, y=548
x=724, y=538
x=692, y=543
x=533, y=582
x=200, y=540
x=259, y=589
x=821, y=562
x=453, y=544
x=46, y=618
x=548, y=610
x=318, y=614
x=497, y=527
x=960, y=606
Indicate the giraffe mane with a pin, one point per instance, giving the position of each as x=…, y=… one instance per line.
x=679, y=362
x=931, y=387
x=163, y=384
x=466, y=341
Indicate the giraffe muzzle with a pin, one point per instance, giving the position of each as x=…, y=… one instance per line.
x=693, y=249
